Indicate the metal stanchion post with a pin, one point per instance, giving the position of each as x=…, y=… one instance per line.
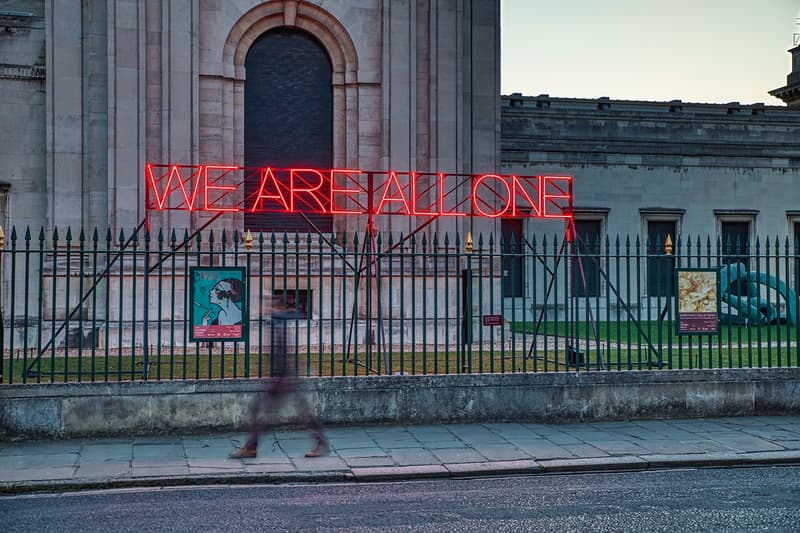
x=248, y=247
x=2, y=321
x=466, y=305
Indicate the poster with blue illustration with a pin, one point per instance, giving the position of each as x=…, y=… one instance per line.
x=218, y=306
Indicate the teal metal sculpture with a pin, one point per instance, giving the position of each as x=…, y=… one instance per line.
x=747, y=299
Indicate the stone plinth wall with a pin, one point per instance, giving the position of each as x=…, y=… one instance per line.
x=141, y=408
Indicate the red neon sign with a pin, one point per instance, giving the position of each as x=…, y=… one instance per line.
x=230, y=188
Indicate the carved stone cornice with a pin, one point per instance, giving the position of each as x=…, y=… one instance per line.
x=22, y=72
x=15, y=22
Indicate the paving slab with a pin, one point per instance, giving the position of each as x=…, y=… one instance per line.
x=369, y=453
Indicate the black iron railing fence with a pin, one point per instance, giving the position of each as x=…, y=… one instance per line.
x=103, y=306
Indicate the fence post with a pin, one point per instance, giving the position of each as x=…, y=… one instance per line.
x=2, y=302
x=248, y=249
x=466, y=305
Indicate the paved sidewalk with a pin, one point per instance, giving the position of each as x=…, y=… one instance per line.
x=400, y=452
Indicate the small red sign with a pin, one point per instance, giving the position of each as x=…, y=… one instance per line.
x=492, y=320
x=218, y=332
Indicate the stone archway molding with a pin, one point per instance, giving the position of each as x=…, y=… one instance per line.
x=294, y=14
x=335, y=39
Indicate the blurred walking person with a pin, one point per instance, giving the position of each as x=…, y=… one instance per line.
x=283, y=386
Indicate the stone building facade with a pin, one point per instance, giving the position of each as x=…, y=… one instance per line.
x=94, y=93
x=94, y=90
x=637, y=164
x=98, y=89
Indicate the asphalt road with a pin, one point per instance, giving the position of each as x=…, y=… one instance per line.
x=740, y=499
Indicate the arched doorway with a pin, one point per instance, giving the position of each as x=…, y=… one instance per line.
x=288, y=116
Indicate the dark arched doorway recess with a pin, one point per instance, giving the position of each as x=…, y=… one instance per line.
x=288, y=117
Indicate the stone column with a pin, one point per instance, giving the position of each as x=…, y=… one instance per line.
x=64, y=95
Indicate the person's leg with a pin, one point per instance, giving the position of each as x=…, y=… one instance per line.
x=265, y=401
x=312, y=423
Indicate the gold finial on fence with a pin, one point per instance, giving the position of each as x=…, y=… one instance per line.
x=2, y=238
x=248, y=241
x=468, y=243
x=668, y=245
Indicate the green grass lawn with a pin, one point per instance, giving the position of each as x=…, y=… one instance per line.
x=215, y=365
x=622, y=346
x=627, y=332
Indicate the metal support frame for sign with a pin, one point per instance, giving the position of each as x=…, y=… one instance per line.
x=103, y=276
x=431, y=196
x=573, y=350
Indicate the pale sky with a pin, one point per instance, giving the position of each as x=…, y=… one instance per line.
x=714, y=51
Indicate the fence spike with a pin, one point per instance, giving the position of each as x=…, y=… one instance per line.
x=95, y=236
x=28, y=234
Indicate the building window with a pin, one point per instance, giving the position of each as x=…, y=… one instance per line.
x=585, y=266
x=297, y=300
x=512, y=254
x=736, y=228
x=794, y=248
x=288, y=118
x=659, y=265
x=658, y=223
x=735, y=241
